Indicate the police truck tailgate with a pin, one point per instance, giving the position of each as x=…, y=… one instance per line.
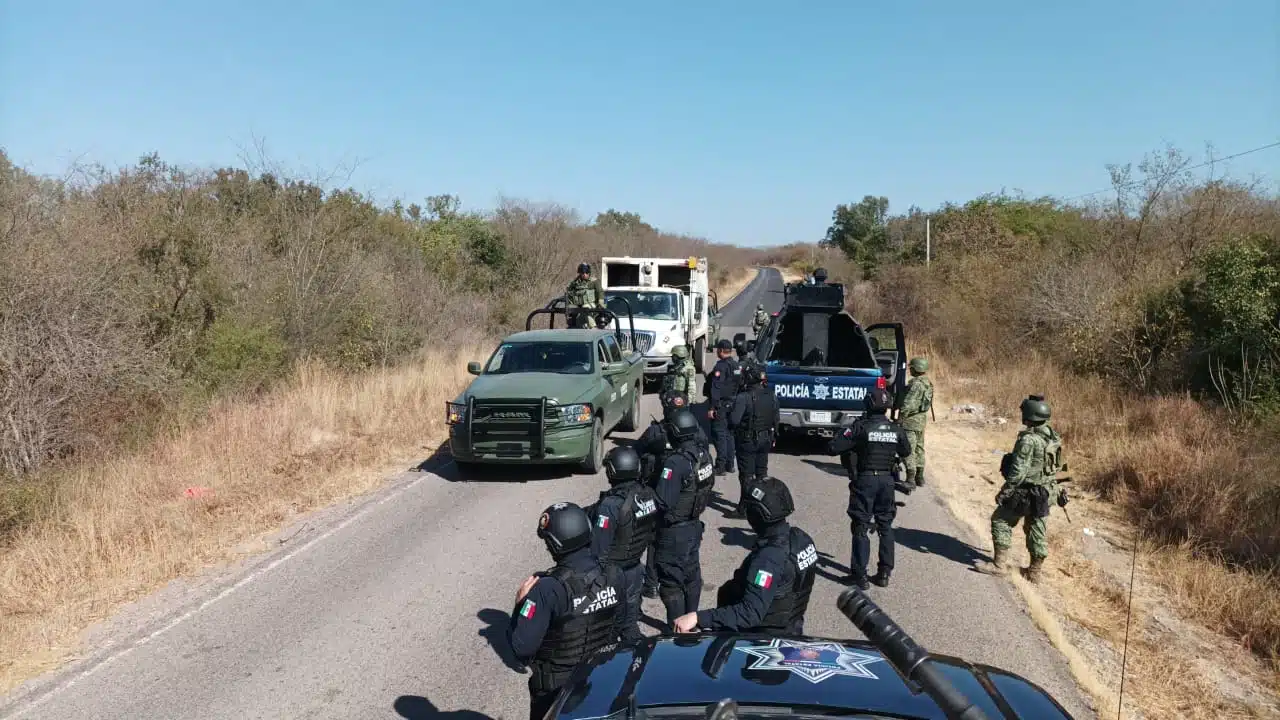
x=822, y=399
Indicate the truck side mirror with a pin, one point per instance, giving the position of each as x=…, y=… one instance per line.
x=473, y=367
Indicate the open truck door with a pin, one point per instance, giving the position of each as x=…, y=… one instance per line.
x=889, y=344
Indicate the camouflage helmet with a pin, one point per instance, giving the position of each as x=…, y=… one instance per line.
x=919, y=365
x=1035, y=411
x=680, y=352
x=759, y=306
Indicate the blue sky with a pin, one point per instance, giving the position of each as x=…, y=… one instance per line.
x=742, y=122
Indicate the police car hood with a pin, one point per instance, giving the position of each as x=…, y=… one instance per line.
x=679, y=677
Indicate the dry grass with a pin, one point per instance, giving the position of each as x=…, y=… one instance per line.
x=733, y=283
x=1193, y=618
x=119, y=528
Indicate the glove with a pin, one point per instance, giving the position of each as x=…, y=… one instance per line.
x=1062, y=497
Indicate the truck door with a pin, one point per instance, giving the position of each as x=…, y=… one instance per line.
x=889, y=344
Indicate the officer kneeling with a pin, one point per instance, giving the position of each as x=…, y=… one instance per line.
x=565, y=614
x=770, y=591
x=626, y=523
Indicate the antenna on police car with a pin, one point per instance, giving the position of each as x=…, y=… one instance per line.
x=1124, y=655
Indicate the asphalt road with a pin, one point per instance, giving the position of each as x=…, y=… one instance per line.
x=395, y=605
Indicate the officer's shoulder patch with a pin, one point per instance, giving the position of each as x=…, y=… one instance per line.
x=848, y=432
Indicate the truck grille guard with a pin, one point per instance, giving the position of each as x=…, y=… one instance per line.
x=644, y=341
x=511, y=420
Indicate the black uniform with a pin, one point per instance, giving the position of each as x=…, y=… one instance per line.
x=569, y=614
x=754, y=421
x=684, y=489
x=722, y=388
x=626, y=523
x=770, y=591
x=877, y=444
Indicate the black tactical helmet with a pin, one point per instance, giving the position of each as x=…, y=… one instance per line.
x=767, y=501
x=820, y=274
x=878, y=400
x=752, y=373
x=741, y=349
x=584, y=268
x=564, y=527
x=622, y=464
x=681, y=426
x=1035, y=411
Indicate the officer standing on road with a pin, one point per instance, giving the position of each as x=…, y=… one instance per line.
x=680, y=378
x=1030, y=484
x=626, y=522
x=917, y=403
x=877, y=444
x=566, y=613
x=684, y=489
x=583, y=292
x=753, y=419
x=722, y=387
x=760, y=320
x=770, y=591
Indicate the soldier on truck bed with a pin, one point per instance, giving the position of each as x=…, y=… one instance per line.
x=583, y=292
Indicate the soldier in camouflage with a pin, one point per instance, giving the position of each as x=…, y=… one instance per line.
x=917, y=403
x=760, y=320
x=583, y=292
x=1030, y=484
x=680, y=379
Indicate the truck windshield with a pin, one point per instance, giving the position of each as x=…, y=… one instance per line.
x=565, y=358
x=651, y=305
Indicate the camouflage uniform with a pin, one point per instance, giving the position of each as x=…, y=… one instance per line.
x=761, y=319
x=914, y=415
x=681, y=376
x=583, y=293
x=1030, y=486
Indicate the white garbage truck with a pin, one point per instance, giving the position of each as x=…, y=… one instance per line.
x=672, y=303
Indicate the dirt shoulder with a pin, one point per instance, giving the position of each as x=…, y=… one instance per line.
x=1174, y=667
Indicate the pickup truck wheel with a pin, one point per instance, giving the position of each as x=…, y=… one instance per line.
x=700, y=354
x=467, y=471
x=628, y=423
x=595, y=456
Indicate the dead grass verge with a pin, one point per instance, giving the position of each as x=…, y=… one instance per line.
x=1200, y=633
x=734, y=283
x=121, y=527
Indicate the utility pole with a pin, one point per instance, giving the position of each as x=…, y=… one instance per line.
x=928, y=241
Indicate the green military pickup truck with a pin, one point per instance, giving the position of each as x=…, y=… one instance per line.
x=548, y=397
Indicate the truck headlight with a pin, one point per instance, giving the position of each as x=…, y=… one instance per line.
x=576, y=414
x=455, y=413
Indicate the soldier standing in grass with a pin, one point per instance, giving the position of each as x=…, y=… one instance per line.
x=917, y=403
x=1030, y=484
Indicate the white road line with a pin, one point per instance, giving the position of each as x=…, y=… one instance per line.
x=51, y=692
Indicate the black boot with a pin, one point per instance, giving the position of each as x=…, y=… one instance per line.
x=881, y=578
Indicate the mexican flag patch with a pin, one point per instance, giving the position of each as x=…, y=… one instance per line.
x=764, y=579
x=666, y=473
x=602, y=521
x=528, y=608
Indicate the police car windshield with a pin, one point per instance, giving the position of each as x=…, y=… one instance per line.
x=643, y=304
x=565, y=358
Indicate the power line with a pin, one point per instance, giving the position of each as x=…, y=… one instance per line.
x=1193, y=167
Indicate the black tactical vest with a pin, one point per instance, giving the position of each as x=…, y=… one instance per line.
x=696, y=491
x=637, y=523
x=596, y=598
x=761, y=404
x=879, y=444
x=791, y=599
